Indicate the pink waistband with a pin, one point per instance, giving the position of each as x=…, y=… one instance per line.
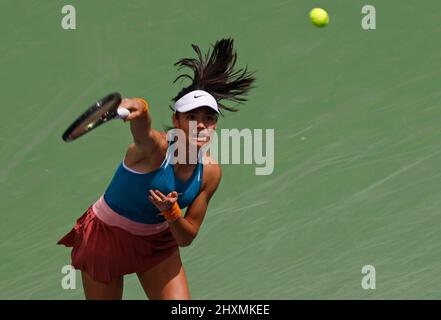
x=110, y=217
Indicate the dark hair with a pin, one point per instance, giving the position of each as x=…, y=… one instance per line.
x=215, y=74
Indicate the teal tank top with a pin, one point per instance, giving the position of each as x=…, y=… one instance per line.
x=127, y=193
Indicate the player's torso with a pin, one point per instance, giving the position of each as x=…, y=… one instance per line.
x=127, y=193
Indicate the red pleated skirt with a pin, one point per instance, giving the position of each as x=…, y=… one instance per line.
x=106, y=252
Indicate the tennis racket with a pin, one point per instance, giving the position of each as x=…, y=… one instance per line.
x=100, y=112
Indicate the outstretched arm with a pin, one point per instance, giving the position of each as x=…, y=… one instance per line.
x=146, y=140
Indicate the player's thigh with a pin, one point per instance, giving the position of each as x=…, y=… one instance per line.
x=96, y=290
x=167, y=280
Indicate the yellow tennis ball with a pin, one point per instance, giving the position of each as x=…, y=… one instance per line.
x=319, y=17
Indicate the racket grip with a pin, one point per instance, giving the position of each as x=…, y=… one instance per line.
x=122, y=113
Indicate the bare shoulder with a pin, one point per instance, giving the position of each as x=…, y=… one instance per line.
x=212, y=174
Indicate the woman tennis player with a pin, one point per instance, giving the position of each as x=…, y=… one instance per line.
x=137, y=225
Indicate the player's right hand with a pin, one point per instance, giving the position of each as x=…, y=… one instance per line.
x=137, y=107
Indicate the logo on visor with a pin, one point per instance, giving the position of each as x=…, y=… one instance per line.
x=198, y=96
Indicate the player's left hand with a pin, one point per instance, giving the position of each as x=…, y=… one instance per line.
x=162, y=202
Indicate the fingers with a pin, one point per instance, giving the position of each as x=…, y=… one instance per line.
x=155, y=196
x=153, y=200
x=161, y=201
x=128, y=104
x=133, y=115
x=157, y=203
x=136, y=108
x=160, y=195
x=172, y=194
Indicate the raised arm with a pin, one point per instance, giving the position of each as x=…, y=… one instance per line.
x=147, y=141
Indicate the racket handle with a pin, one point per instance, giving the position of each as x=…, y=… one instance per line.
x=122, y=113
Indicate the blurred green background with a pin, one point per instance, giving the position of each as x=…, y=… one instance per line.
x=357, y=149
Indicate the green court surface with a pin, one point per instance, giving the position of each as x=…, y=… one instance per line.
x=357, y=177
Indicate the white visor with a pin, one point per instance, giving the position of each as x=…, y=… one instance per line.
x=196, y=99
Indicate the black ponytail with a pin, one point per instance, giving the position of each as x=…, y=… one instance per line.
x=215, y=74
